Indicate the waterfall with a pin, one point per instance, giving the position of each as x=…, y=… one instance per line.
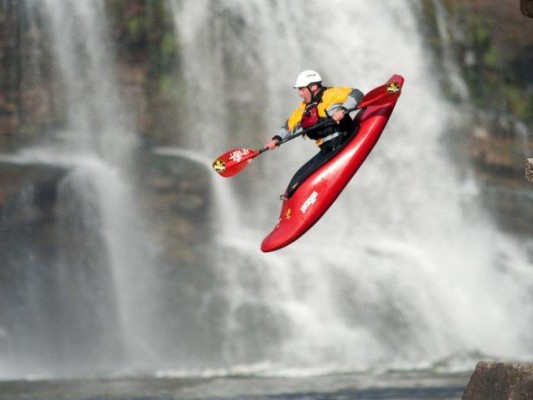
x=457, y=85
x=97, y=118
x=406, y=269
x=89, y=305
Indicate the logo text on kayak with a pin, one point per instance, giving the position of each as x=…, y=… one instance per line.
x=310, y=200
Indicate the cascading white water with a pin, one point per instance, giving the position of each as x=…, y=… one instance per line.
x=452, y=75
x=97, y=119
x=97, y=296
x=405, y=269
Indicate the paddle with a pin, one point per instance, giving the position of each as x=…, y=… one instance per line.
x=234, y=161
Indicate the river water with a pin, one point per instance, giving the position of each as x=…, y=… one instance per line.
x=389, y=386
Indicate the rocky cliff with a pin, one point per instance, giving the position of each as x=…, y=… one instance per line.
x=526, y=6
x=492, y=45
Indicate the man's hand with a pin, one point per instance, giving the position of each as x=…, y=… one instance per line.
x=338, y=115
x=272, y=144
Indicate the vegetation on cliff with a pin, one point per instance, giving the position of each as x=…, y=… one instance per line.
x=491, y=44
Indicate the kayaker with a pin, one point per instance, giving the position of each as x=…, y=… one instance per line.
x=319, y=104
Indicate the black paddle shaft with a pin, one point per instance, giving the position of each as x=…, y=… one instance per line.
x=323, y=124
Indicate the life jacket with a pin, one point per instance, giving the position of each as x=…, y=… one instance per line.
x=310, y=116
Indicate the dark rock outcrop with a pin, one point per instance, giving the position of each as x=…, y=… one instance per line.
x=500, y=381
x=526, y=6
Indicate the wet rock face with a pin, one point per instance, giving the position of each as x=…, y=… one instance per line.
x=28, y=191
x=500, y=381
x=526, y=6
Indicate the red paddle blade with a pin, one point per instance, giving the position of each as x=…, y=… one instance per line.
x=234, y=161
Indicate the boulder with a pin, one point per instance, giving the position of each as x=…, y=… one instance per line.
x=529, y=169
x=526, y=6
x=500, y=381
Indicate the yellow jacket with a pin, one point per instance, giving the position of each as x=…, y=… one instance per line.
x=334, y=96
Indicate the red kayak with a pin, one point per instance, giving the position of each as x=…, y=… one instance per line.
x=318, y=192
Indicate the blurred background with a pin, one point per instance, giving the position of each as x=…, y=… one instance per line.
x=121, y=251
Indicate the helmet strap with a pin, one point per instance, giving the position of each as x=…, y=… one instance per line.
x=317, y=92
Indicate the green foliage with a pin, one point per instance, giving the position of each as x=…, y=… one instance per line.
x=518, y=101
x=493, y=78
x=167, y=48
x=136, y=27
x=166, y=84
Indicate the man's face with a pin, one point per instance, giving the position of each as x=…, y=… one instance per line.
x=306, y=93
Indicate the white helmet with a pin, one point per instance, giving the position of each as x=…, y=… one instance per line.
x=305, y=78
